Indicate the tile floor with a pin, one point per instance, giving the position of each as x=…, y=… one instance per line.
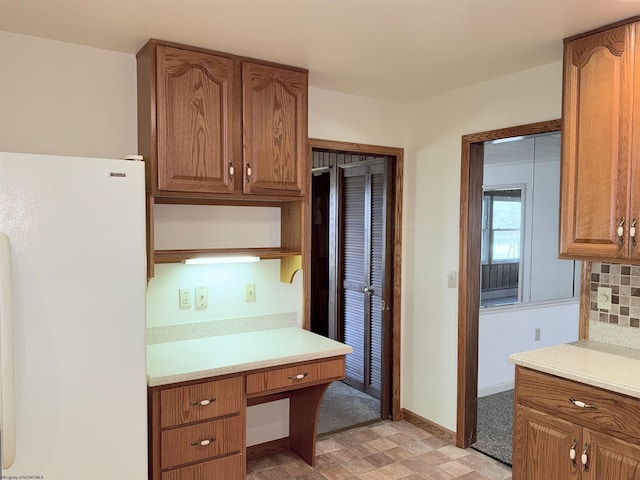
x=381, y=451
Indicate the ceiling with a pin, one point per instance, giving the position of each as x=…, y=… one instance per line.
x=399, y=50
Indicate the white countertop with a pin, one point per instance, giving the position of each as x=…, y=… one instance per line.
x=185, y=360
x=594, y=363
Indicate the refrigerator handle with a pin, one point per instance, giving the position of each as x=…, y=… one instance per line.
x=7, y=368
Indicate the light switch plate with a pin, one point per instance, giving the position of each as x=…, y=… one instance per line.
x=250, y=292
x=604, y=298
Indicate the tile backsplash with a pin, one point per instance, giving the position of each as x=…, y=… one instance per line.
x=624, y=281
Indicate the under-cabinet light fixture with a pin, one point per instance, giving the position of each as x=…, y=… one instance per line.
x=220, y=259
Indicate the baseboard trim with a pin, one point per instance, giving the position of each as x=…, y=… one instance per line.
x=268, y=448
x=501, y=387
x=429, y=426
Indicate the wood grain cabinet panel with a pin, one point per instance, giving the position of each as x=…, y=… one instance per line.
x=541, y=446
x=226, y=468
x=201, y=441
x=201, y=401
x=609, y=458
x=553, y=416
x=194, y=121
x=274, y=102
x=600, y=145
x=617, y=414
x=283, y=379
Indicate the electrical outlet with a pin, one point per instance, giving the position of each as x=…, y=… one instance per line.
x=202, y=297
x=184, y=297
x=250, y=292
x=452, y=279
x=537, y=336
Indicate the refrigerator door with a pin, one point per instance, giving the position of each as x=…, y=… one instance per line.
x=77, y=233
x=7, y=371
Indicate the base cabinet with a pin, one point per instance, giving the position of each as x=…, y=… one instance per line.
x=611, y=457
x=197, y=428
x=566, y=430
x=542, y=445
x=227, y=468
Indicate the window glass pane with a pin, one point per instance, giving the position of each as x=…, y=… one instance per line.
x=506, y=213
x=506, y=245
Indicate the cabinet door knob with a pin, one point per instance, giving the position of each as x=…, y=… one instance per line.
x=299, y=376
x=231, y=171
x=572, y=452
x=584, y=458
x=632, y=231
x=248, y=172
x=621, y=231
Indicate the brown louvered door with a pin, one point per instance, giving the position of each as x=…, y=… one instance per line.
x=362, y=296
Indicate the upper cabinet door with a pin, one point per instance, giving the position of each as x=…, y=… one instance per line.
x=634, y=196
x=274, y=130
x=597, y=144
x=194, y=108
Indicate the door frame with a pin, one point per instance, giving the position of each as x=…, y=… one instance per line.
x=469, y=270
x=397, y=159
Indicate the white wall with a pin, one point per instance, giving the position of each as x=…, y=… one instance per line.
x=432, y=194
x=62, y=99
x=350, y=118
x=512, y=329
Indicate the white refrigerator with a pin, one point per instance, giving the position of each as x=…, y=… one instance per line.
x=72, y=318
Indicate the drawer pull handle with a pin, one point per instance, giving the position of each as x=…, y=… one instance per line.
x=300, y=376
x=203, y=443
x=204, y=403
x=580, y=404
x=572, y=452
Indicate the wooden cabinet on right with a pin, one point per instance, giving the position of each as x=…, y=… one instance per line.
x=565, y=430
x=600, y=179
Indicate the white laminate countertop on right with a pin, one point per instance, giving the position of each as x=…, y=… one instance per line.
x=597, y=364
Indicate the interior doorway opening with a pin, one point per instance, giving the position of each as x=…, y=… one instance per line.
x=469, y=292
x=355, y=217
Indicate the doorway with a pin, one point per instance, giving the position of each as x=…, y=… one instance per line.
x=355, y=216
x=471, y=194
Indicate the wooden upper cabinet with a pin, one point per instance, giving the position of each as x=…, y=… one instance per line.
x=194, y=121
x=599, y=145
x=274, y=102
x=218, y=126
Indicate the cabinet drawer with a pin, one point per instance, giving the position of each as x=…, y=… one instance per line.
x=201, y=401
x=227, y=468
x=181, y=445
x=615, y=414
x=294, y=377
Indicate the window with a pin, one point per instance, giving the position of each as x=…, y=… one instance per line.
x=519, y=252
x=501, y=225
